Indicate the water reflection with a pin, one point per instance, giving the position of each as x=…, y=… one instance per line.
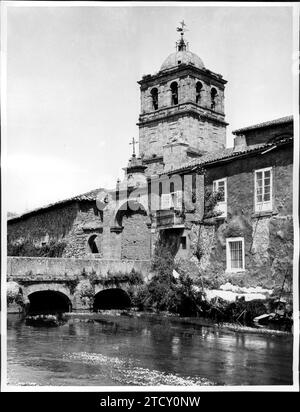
x=123, y=351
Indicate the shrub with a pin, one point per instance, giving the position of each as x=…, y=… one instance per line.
x=210, y=201
x=14, y=294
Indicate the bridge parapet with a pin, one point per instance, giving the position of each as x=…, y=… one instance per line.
x=62, y=269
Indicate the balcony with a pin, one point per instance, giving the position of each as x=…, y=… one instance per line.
x=169, y=219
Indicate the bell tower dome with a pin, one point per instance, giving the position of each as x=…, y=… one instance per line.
x=182, y=102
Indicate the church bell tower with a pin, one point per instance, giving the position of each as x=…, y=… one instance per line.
x=182, y=111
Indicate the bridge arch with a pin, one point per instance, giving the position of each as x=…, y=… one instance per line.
x=113, y=298
x=47, y=298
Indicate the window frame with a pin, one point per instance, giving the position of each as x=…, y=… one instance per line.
x=259, y=206
x=216, y=182
x=229, y=240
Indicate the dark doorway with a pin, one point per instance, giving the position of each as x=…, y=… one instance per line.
x=111, y=299
x=48, y=301
x=92, y=244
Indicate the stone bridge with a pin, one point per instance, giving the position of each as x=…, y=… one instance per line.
x=73, y=284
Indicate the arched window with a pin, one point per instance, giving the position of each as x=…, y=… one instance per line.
x=92, y=244
x=199, y=88
x=154, y=95
x=213, y=95
x=174, y=93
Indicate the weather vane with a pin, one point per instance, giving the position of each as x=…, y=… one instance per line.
x=182, y=29
x=133, y=143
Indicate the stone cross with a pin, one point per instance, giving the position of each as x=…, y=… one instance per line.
x=133, y=145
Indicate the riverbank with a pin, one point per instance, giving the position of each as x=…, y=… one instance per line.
x=90, y=317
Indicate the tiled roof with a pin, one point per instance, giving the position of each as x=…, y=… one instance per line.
x=274, y=122
x=225, y=154
x=89, y=196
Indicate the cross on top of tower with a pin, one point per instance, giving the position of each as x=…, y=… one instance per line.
x=181, y=45
x=133, y=143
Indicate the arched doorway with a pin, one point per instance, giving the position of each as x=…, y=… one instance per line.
x=48, y=301
x=111, y=299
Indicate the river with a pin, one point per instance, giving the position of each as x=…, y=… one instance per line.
x=119, y=350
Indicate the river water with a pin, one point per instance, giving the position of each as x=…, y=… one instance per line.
x=118, y=350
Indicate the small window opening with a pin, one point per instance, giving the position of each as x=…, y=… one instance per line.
x=154, y=94
x=213, y=95
x=174, y=93
x=199, y=87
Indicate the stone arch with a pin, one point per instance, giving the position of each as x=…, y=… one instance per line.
x=112, y=298
x=49, y=297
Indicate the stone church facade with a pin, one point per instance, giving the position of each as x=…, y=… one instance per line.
x=247, y=237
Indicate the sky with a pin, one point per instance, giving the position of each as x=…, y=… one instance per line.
x=72, y=95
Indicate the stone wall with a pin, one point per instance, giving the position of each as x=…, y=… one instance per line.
x=204, y=135
x=135, y=237
x=51, y=269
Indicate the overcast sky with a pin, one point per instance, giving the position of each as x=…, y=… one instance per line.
x=72, y=97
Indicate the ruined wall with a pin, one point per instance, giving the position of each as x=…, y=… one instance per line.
x=88, y=223
x=268, y=238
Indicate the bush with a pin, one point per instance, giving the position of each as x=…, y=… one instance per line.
x=14, y=294
x=210, y=201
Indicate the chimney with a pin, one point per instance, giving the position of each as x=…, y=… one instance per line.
x=240, y=142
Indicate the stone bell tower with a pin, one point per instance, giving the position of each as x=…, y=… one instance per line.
x=182, y=111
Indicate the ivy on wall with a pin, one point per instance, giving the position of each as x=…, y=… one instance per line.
x=27, y=248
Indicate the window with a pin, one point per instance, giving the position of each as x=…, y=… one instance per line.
x=198, y=92
x=154, y=95
x=174, y=93
x=263, y=189
x=235, y=254
x=213, y=95
x=172, y=200
x=221, y=187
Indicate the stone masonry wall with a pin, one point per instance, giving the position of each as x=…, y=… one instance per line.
x=135, y=237
x=50, y=269
x=203, y=135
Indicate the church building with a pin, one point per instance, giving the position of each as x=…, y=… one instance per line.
x=227, y=210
